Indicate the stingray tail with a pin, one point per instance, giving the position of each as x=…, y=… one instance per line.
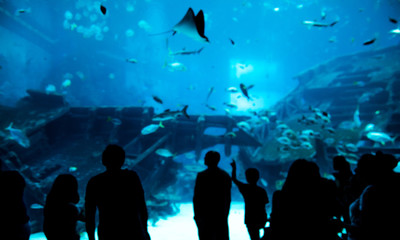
x=162, y=33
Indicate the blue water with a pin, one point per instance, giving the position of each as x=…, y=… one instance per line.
x=51, y=41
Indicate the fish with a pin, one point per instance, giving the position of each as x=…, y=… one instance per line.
x=319, y=24
x=131, y=60
x=351, y=147
x=356, y=118
x=192, y=26
x=19, y=136
x=72, y=169
x=164, y=152
x=36, y=206
x=212, y=108
x=369, y=127
x=151, y=128
x=232, y=42
x=22, y=10
x=392, y=20
x=171, y=115
x=231, y=105
x=103, y=9
x=114, y=121
x=244, y=125
x=230, y=135
x=395, y=31
x=369, y=42
x=210, y=91
x=232, y=90
x=380, y=137
x=157, y=99
x=66, y=83
x=284, y=140
x=183, y=52
x=175, y=66
x=50, y=89
x=306, y=145
x=243, y=88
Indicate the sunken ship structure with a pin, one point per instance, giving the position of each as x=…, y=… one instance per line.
x=336, y=104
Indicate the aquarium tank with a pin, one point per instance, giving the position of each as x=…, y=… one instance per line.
x=261, y=82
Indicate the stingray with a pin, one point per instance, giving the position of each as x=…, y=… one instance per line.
x=191, y=25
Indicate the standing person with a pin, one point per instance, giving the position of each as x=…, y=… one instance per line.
x=14, y=221
x=60, y=212
x=119, y=197
x=212, y=200
x=255, y=199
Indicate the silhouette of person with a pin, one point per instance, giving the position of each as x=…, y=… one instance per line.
x=119, y=197
x=212, y=200
x=343, y=176
x=305, y=206
x=60, y=212
x=255, y=199
x=14, y=221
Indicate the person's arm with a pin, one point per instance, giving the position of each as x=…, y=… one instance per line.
x=142, y=205
x=234, y=179
x=90, y=211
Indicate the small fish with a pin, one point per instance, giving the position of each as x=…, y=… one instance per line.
x=151, y=128
x=66, y=83
x=210, y=91
x=306, y=145
x=351, y=147
x=157, y=99
x=289, y=133
x=36, y=206
x=230, y=135
x=369, y=127
x=183, y=52
x=22, y=11
x=380, y=137
x=212, y=108
x=72, y=169
x=392, y=20
x=356, y=118
x=175, y=66
x=243, y=88
x=114, y=121
x=244, y=125
x=282, y=127
x=369, y=42
x=232, y=42
x=232, y=90
x=19, y=136
x=231, y=105
x=170, y=115
x=50, y=89
x=284, y=140
x=164, y=152
x=103, y=9
x=319, y=24
x=131, y=60
x=395, y=31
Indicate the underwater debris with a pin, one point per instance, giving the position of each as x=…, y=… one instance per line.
x=19, y=136
x=170, y=115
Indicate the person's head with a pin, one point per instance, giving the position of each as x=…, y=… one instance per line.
x=212, y=159
x=113, y=157
x=64, y=189
x=252, y=175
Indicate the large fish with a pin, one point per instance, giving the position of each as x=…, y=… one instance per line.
x=380, y=137
x=192, y=26
x=170, y=115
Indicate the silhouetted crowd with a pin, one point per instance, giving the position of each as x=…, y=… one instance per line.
x=359, y=205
